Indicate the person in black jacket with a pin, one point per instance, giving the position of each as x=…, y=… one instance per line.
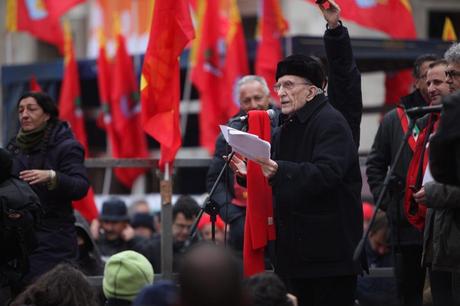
x=316, y=182
x=405, y=237
x=230, y=197
x=47, y=156
x=344, y=92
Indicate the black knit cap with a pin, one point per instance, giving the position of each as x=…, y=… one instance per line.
x=309, y=67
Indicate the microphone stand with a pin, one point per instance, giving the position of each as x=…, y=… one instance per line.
x=210, y=206
x=386, y=183
x=359, y=248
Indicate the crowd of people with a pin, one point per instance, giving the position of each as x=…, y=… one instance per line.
x=316, y=212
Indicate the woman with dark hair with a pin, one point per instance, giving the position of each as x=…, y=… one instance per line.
x=48, y=157
x=62, y=286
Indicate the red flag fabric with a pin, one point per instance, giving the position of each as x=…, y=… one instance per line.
x=40, y=18
x=171, y=30
x=259, y=225
x=124, y=107
x=272, y=27
x=393, y=17
x=397, y=85
x=70, y=111
x=383, y=16
x=219, y=59
x=33, y=85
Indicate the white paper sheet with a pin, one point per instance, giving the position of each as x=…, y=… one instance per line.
x=248, y=145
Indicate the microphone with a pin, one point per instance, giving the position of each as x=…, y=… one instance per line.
x=270, y=112
x=420, y=111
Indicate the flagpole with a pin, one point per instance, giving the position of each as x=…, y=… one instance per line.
x=166, y=224
x=108, y=170
x=186, y=100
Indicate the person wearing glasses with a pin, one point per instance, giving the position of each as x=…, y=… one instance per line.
x=314, y=173
x=316, y=182
x=452, y=57
x=441, y=192
x=406, y=239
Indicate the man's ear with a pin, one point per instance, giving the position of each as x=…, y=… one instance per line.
x=311, y=93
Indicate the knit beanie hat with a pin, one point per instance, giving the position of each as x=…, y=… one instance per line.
x=125, y=274
x=308, y=67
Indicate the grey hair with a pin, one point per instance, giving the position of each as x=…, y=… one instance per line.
x=252, y=78
x=452, y=54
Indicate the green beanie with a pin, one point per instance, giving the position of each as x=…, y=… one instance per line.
x=125, y=274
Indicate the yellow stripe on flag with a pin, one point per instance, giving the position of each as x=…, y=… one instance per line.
x=448, y=31
x=11, y=15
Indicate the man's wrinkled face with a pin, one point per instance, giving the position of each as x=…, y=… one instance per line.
x=253, y=97
x=31, y=114
x=113, y=229
x=294, y=92
x=181, y=227
x=420, y=82
x=453, y=76
x=437, y=84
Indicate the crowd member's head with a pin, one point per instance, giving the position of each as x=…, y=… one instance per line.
x=299, y=78
x=35, y=110
x=162, y=293
x=142, y=223
x=436, y=81
x=419, y=71
x=253, y=93
x=209, y=276
x=266, y=289
x=139, y=206
x=184, y=213
x=62, y=286
x=114, y=218
x=379, y=234
x=6, y=162
x=452, y=56
x=205, y=229
x=125, y=275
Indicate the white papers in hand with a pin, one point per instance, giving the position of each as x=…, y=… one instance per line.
x=248, y=145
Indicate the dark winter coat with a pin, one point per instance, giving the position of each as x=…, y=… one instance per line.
x=65, y=155
x=317, y=193
x=344, y=93
x=386, y=143
x=442, y=229
x=57, y=235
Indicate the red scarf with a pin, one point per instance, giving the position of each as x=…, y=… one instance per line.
x=259, y=225
x=415, y=212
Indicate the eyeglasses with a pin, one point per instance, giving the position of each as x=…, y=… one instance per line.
x=287, y=85
x=452, y=73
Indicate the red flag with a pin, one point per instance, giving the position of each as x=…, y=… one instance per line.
x=33, y=85
x=393, y=17
x=124, y=107
x=40, y=18
x=70, y=111
x=397, y=85
x=171, y=30
x=271, y=28
x=259, y=226
x=219, y=58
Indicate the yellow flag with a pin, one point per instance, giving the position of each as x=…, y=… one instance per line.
x=448, y=31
